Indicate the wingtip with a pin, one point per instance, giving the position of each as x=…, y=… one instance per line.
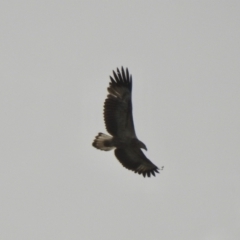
x=150, y=173
x=121, y=77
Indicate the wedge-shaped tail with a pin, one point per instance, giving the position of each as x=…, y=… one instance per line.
x=103, y=142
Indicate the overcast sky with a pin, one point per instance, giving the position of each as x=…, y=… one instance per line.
x=56, y=58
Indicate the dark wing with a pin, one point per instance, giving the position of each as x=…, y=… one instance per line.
x=134, y=159
x=118, y=105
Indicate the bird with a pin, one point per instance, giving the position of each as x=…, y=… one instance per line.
x=119, y=124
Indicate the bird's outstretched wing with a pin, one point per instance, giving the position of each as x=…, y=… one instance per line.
x=118, y=105
x=134, y=159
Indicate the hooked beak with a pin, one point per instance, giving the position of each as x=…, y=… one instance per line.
x=145, y=148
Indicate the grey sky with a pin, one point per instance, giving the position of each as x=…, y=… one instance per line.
x=56, y=58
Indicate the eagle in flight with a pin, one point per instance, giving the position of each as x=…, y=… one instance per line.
x=119, y=123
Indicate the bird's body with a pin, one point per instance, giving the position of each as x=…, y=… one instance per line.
x=119, y=123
